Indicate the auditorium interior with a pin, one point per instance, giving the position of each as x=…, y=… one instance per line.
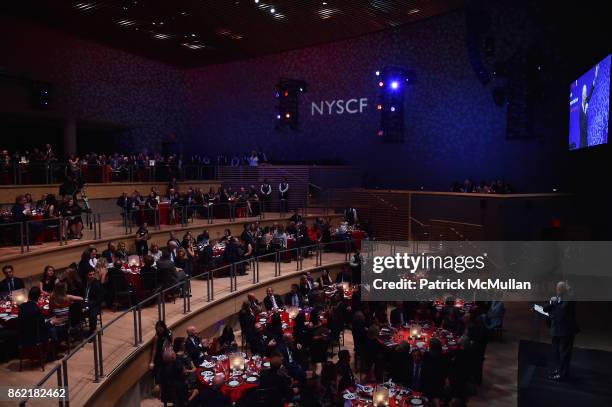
x=194, y=196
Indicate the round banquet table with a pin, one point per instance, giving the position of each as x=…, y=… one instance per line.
x=331, y=290
x=9, y=311
x=246, y=380
x=399, y=396
x=393, y=337
x=265, y=318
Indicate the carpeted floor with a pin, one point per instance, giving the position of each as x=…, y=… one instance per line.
x=590, y=382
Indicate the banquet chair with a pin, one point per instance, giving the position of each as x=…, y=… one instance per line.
x=122, y=291
x=267, y=397
x=36, y=352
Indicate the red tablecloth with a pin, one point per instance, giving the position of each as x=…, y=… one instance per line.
x=428, y=331
x=234, y=393
x=135, y=279
x=399, y=396
x=12, y=310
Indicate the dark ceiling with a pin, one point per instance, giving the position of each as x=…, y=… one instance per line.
x=201, y=32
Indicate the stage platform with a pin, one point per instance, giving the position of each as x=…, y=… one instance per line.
x=589, y=384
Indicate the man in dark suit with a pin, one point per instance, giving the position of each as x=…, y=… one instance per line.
x=293, y=358
x=194, y=346
x=32, y=326
x=294, y=298
x=10, y=283
x=296, y=217
x=126, y=204
x=398, y=315
x=563, y=328
x=273, y=379
x=94, y=294
x=166, y=270
x=272, y=300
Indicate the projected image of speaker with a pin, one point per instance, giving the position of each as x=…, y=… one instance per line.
x=590, y=107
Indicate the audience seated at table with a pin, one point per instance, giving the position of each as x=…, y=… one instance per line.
x=10, y=282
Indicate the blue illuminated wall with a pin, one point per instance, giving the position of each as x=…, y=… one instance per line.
x=454, y=129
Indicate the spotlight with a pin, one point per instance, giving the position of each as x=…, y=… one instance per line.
x=256, y=1
x=381, y=83
x=286, y=93
x=377, y=73
x=301, y=89
x=272, y=10
x=393, y=108
x=278, y=116
x=380, y=133
x=379, y=107
x=287, y=115
x=394, y=85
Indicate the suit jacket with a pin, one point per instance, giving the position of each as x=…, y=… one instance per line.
x=16, y=285
x=32, y=328
x=95, y=295
x=211, y=397
x=166, y=273
x=345, y=375
x=268, y=302
x=195, y=350
x=562, y=317
x=289, y=299
x=396, y=316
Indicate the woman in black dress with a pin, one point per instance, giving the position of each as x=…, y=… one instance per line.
x=142, y=235
x=161, y=341
x=320, y=339
x=48, y=280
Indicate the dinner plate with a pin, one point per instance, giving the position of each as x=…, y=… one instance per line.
x=367, y=389
x=221, y=357
x=349, y=396
x=208, y=365
x=416, y=402
x=233, y=383
x=452, y=343
x=4, y=315
x=251, y=379
x=444, y=347
x=207, y=373
x=266, y=364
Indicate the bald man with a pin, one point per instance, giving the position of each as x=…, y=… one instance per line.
x=563, y=328
x=195, y=347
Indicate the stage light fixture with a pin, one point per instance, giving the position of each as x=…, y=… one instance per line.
x=393, y=108
x=286, y=94
x=272, y=10
x=287, y=115
x=278, y=116
x=381, y=83
x=377, y=73
x=394, y=85
x=379, y=107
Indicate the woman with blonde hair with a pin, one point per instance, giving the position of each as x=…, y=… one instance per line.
x=102, y=270
x=59, y=306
